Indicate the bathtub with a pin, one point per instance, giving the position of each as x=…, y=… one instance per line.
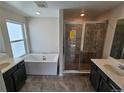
x=41, y=64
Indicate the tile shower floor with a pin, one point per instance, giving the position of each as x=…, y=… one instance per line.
x=69, y=83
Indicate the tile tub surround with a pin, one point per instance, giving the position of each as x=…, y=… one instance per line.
x=119, y=80
x=73, y=83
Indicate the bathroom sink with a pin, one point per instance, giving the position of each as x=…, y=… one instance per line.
x=114, y=70
x=3, y=65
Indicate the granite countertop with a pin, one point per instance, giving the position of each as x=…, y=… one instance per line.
x=12, y=61
x=119, y=80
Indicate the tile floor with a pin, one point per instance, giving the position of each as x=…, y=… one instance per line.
x=69, y=83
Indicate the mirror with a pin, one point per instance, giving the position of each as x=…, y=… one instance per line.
x=3, y=54
x=117, y=50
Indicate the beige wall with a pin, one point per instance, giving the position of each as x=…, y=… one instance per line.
x=2, y=84
x=8, y=15
x=112, y=16
x=2, y=47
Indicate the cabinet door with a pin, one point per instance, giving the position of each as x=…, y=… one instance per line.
x=19, y=78
x=95, y=79
x=9, y=84
x=104, y=87
x=22, y=65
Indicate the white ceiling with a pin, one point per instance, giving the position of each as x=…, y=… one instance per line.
x=28, y=8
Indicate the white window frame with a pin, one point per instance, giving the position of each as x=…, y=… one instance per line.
x=24, y=38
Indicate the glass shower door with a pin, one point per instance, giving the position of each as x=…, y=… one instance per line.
x=93, y=42
x=72, y=42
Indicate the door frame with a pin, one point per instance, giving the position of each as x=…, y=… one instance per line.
x=70, y=71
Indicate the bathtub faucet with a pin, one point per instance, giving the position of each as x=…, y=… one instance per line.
x=44, y=58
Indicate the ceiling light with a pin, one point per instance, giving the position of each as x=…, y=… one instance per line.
x=37, y=13
x=82, y=13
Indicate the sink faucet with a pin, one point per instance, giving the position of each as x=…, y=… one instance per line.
x=121, y=67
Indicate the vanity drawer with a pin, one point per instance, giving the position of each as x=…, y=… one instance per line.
x=103, y=75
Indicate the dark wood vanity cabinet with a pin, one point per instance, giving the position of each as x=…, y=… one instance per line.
x=9, y=84
x=19, y=76
x=101, y=82
x=104, y=87
x=15, y=77
x=94, y=77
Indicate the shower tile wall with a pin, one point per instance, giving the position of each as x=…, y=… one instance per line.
x=93, y=43
x=94, y=38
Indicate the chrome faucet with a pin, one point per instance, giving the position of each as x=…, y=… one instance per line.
x=44, y=58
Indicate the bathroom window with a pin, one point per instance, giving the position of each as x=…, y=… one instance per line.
x=16, y=36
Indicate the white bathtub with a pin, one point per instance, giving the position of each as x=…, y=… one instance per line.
x=37, y=65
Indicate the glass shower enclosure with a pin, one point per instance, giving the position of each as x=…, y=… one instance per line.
x=82, y=42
